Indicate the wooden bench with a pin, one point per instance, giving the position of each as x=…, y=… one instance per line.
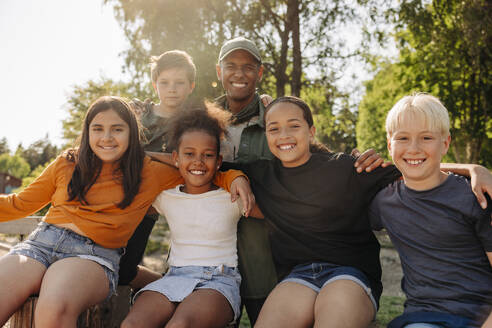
x=108, y=314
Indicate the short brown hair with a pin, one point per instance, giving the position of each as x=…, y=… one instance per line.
x=172, y=59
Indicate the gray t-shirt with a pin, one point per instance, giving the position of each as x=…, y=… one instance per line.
x=442, y=236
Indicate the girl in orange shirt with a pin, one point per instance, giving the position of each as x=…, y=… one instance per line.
x=98, y=194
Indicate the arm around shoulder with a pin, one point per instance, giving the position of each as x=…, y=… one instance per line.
x=481, y=179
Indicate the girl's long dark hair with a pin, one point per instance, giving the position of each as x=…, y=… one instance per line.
x=88, y=165
x=315, y=146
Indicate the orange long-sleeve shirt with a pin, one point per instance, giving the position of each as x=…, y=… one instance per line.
x=101, y=220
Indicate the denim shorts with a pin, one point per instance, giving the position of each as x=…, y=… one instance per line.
x=49, y=243
x=318, y=274
x=179, y=282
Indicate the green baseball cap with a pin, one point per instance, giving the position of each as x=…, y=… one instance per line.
x=239, y=43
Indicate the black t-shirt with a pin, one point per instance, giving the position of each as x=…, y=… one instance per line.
x=318, y=211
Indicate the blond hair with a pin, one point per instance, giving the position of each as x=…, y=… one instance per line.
x=419, y=106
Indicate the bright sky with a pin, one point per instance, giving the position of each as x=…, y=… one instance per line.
x=46, y=47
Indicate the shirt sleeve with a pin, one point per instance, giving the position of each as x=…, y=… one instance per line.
x=224, y=179
x=33, y=198
x=375, y=215
x=372, y=182
x=483, y=227
x=169, y=177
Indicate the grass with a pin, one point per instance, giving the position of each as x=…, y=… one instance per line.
x=389, y=307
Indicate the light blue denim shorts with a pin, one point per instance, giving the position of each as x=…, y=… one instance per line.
x=49, y=243
x=319, y=274
x=179, y=282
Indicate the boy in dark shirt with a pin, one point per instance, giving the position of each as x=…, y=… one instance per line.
x=443, y=236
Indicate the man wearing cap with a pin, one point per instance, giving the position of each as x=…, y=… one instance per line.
x=240, y=69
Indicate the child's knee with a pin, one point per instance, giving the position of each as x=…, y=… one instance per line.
x=180, y=322
x=132, y=322
x=53, y=313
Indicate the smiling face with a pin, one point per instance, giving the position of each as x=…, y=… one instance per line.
x=288, y=134
x=239, y=73
x=197, y=160
x=109, y=136
x=417, y=151
x=173, y=88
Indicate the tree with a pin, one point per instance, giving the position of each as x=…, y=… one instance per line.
x=445, y=49
x=14, y=165
x=4, y=146
x=39, y=152
x=333, y=119
x=295, y=36
x=83, y=95
x=382, y=92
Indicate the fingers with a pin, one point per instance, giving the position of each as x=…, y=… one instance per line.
x=377, y=162
x=368, y=161
x=386, y=164
x=240, y=188
x=363, y=157
x=266, y=100
x=355, y=152
x=248, y=205
x=480, y=197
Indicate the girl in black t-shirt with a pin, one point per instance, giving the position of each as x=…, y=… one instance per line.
x=315, y=204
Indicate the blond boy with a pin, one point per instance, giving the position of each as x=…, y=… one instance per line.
x=443, y=236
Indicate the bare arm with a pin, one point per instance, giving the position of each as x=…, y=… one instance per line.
x=368, y=160
x=256, y=212
x=240, y=188
x=481, y=179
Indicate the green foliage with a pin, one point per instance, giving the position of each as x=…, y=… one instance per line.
x=155, y=26
x=445, y=49
x=14, y=165
x=84, y=95
x=154, y=246
x=294, y=37
x=39, y=152
x=389, y=308
x=334, y=122
x=4, y=146
x=382, y=92
x=244, y=323
x=33, y=175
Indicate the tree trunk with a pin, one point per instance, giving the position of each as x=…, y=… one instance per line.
x=281, y=67
x=294, y=26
